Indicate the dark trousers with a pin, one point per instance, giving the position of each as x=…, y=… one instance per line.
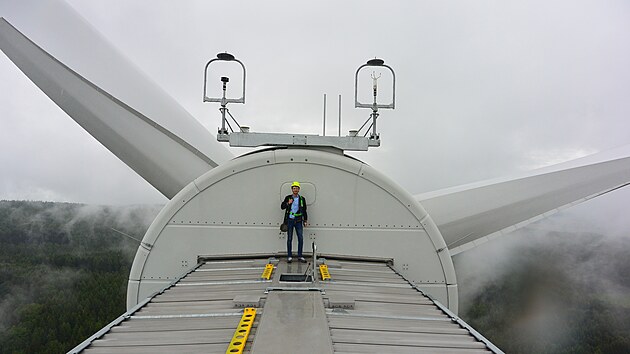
x=291, y=223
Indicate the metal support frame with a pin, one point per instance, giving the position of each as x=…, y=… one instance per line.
x=224, y=100
x=240, y=136
x=374, y=106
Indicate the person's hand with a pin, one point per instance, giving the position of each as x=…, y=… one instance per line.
x=305, y=223
x=290, y=201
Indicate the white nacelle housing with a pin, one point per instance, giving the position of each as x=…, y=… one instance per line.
x=234, y=209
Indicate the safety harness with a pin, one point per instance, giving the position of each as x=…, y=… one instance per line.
x=289, y=212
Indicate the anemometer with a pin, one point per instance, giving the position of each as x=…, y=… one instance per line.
x=223, y=100
x=242, y=137
x=374, y=106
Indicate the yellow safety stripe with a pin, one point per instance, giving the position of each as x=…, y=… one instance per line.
x=242, y=331
x=267, y=272
x=323, y=269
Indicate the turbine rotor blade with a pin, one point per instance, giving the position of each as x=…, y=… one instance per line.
x=168, y=157
x=473, y=214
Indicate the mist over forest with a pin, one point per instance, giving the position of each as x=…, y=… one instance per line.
x=542, y=291
x=64, y=270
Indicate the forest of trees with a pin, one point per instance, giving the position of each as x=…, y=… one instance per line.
x=549, y=292
x=64, y=269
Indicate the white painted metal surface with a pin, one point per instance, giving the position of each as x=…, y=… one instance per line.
x=345, y=143
x=235, y=209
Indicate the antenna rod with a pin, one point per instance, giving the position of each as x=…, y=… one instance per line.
x=339, y=115
x=223, y=108
x=324, y=133
x=314, y=261
x=374, y=105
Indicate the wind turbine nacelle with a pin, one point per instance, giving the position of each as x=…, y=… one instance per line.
x=234, y=209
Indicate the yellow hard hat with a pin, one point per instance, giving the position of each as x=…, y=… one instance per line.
x=295, y=184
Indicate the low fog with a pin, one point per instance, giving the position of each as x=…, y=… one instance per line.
x=51, y=231
x=546, y=287
x=485, y=89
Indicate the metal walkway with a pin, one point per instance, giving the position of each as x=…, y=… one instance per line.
x=365, y=307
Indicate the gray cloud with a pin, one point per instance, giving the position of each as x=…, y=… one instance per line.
x=556, y=278
x=484, y=89
x=82, y=229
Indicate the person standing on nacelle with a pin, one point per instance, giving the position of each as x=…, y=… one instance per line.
x=295, y=216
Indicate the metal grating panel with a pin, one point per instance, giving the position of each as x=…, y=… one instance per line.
x=197, y=314
x=365, y=307
x=390, y=315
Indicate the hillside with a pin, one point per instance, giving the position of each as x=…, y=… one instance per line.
x=64, y=272
x=549, y=292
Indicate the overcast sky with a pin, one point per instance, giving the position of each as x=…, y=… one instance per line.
x=484, y=88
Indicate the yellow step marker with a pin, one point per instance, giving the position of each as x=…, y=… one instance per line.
x=242, y=331
x=267, y=272
x=323, y=270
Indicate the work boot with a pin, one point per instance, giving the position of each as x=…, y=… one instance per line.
x=302, y=260
x=290, y=259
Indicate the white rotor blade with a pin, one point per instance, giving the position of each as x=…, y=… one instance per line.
x=138, y=122
x=473, y=214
